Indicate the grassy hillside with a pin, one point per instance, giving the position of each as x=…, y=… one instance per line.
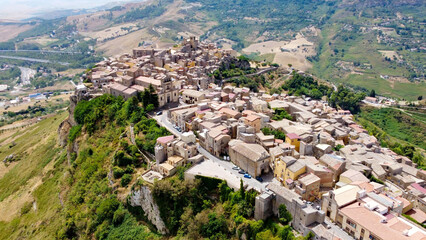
x=30, y=186
x=374, y=48
x=397, y=130
x=397, y=124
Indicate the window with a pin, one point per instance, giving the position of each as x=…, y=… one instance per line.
x=350, y=223
x=372, y=237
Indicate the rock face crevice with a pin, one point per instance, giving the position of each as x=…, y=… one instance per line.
x=143, y=198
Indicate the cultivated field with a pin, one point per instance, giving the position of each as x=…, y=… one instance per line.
x=286, y=52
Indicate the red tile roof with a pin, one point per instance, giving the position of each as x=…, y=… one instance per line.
x=165, y=139
x=418, y=187
x=293, y=136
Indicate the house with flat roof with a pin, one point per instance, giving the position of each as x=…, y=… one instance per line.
x=192, y=96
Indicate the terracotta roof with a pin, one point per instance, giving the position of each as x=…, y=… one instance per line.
x=165, y=139
x=372, y=221
x=252, y=118
x=138, y=88
x=148, y=80
x=292, y=136
x=229, y=111
x=354, y=176
x=309, y=179
x=418, y=187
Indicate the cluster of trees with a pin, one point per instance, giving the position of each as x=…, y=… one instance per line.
x=43, y=81
x=346, y=99
x=7, y=46
x=280, y=114
x=191, y=211
x=343, y=98
x=277, y=134
x=234, y=67
x=96, y=113
x=149, y=11
x=11, y=73
x=233, y=72
x=251, y=82
x=305, y=85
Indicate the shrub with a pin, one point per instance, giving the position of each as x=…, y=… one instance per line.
x=119, y=216
x=117, y=172
x=106, y=209
x=284, y=215
x=125, y=180
x=26, y=208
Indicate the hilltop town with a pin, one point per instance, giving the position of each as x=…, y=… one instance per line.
x=334, y=178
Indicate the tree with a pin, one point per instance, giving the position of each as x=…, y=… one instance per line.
x=107, y=208
x=215, y=226
x=284, y=215
x=372, y=93
x=420, y=98
x=309, y=236
x=126, y=179
x=346, y=99
x=242, y=190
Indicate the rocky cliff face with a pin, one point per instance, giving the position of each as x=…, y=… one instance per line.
x=143, y=198
x=67, y=124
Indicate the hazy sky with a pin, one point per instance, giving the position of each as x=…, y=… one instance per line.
x=19, y=9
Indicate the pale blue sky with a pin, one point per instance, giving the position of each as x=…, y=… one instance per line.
x=19, y=9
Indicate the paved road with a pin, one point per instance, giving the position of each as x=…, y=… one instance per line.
x=41, y=51
x=32, y=59
x=164, y=122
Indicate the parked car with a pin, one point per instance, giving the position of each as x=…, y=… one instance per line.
x=260, y=179
x=236, y=168
x=159, y=113
x=241, y=172
x=247, y=175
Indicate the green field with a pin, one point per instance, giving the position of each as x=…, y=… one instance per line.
x=397, y=124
